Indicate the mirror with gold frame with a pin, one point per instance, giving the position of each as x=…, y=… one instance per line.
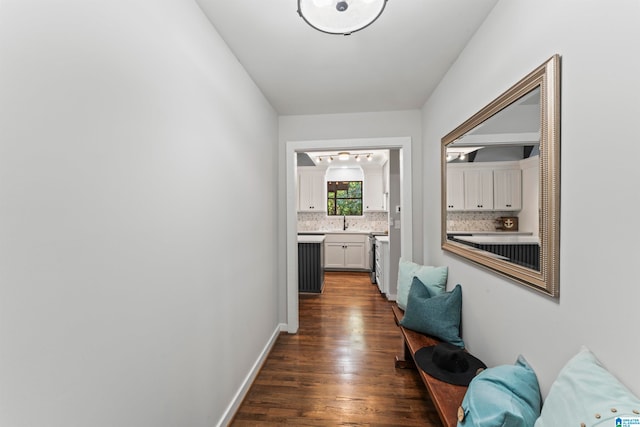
x=500, y=183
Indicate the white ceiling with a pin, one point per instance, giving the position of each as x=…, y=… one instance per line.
x=394, y=64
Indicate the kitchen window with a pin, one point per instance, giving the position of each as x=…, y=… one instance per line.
x=344, y=197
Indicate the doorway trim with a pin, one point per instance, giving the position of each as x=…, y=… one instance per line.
x=403, y=144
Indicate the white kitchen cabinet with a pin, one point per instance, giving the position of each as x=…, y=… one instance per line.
x=345, y=251
x=311, y=190
x=382, y=264
x=478, y=189
x=385, y=177
x=355, y=255
x=455, y=189
x=507, y=189
x=334, y=254
x=373, y=193
x=490, y=186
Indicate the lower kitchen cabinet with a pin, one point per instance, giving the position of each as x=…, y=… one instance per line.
x=310, y=264
x=382, y=263
x=345, y=251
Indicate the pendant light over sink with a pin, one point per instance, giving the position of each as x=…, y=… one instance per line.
x=340, y=16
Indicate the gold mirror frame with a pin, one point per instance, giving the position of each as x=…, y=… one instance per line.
x=546, y=279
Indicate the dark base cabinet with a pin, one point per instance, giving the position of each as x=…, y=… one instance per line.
x=310, y=267
x=526, y=255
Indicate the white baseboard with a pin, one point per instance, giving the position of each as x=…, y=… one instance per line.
x=391, y=297
x=226, y=418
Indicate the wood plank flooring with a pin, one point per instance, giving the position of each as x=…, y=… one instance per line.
x=338, y=370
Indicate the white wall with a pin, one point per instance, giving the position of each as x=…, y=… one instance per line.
x=599, y=292
x=138, y=181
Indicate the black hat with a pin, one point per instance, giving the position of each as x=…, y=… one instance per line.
x=448, y=363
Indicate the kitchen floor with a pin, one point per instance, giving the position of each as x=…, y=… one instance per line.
x=339, y=368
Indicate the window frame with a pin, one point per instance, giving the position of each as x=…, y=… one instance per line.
x=332, y=187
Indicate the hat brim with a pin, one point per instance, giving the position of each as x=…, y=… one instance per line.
x=423, y=358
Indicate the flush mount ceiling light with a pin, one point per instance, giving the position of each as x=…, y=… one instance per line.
x=340, y=16
x=343, y=155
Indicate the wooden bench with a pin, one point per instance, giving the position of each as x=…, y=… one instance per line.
x=446, y=397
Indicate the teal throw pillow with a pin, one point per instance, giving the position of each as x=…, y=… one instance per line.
x=506, y=395
x=585, y=392
x=435, y=315
x=434, y=278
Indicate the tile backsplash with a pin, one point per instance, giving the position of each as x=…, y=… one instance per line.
x=474, y=221
x=370, y=221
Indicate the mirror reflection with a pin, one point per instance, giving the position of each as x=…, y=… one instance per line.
x=500, y=183
x=493, y=185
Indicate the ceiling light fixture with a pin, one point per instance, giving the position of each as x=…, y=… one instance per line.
x=343, y=156
x=460, y=153
x=340, y=16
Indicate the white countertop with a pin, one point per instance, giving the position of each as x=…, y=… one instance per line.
x=347, y=231
x=500, y=240
x=311, y=239
x=383, y=238
x=491, y=233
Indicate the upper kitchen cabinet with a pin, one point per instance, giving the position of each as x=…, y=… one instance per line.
x=478, y=189
x=455, y=189
x=489, y=186
x=507, y=189
x=311, y=190
x=373, y=191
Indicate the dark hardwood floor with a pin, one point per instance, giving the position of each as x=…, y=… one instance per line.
x=338, y=370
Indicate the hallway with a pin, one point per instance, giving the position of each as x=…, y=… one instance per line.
x=339, y=368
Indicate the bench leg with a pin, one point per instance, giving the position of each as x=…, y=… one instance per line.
x=406, y=360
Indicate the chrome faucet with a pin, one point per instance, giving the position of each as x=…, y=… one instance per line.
x=344, y=222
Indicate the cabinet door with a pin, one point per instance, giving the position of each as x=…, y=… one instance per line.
x=455, y=189
x=334, y=255
x=311, y=191
x=478, y=190
x=354, y=255
x=507, y=189
x=318, y=191
x=304, y=191
x=373, y=198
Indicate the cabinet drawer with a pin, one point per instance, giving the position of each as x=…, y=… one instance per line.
x=345, y=238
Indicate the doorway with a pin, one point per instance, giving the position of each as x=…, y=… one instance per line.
x=402, y=144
